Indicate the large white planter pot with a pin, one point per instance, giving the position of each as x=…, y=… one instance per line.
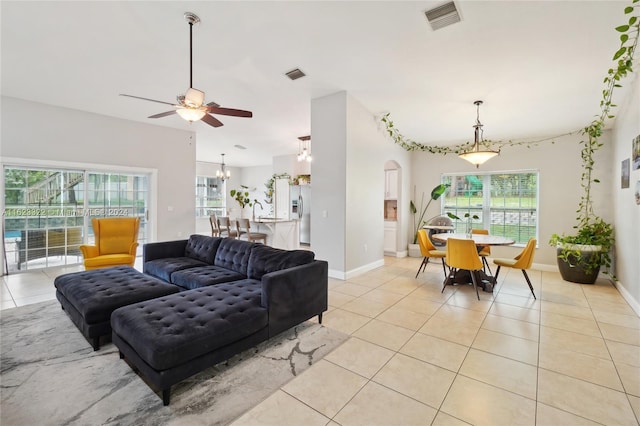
x=414, y=250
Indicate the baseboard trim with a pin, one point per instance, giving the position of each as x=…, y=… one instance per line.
x=345, y=275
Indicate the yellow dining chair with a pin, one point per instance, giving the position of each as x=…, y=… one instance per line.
x=463, y=255
x=116, y=242
x=483, y=251
x=244, y=228
x=428, y=250
x=522, y=261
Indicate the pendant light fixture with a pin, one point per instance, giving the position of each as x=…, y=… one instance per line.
x=304, y=149
x=476, y=155
x=223, y=174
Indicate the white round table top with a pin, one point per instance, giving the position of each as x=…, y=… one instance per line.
x=479, y=239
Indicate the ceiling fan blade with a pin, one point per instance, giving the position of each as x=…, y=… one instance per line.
x=147, y=99
x=162, y=114
x=213, y=104
x=230, y=111
x=212, y=121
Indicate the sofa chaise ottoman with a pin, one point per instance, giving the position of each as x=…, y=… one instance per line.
x=89, y=297
x=236, y=295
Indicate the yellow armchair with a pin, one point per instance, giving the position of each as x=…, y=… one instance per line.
x=116, y=242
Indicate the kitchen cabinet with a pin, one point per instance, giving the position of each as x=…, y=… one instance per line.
x=391, y=184
x=390, y=236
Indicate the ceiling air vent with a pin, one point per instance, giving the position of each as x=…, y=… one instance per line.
x=295, y=74
x=443, y=16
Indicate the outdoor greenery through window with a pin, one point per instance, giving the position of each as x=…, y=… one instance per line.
x=210, y=196
x=506, y=203
x=47, y=212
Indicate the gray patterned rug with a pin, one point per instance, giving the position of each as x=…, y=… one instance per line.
x=49, y=374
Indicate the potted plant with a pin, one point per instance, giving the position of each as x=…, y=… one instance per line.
x=436, y=192
x=469, y=218
x=580, y=256
x=242, y=198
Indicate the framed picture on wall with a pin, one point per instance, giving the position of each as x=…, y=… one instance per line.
x=635, y=155
x=638, y=192
x=624, y=174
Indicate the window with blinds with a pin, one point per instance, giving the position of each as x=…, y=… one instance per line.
x=210, y=196
x=506, y=203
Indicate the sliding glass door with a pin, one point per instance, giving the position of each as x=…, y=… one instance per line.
x=48, y=212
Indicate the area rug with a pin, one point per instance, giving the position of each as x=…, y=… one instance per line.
x=49, y=374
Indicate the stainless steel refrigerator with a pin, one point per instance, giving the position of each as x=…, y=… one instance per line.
x=301, y=210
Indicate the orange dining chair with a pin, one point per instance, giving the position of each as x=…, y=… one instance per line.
x=463, y=255
x=483, y=251
x=428, y=250
x=522, y=261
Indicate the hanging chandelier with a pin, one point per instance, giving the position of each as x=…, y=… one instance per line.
x=304, y=149
x=475, y=155
x=223, y=174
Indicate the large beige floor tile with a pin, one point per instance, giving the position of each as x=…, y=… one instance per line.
x=417, y=379
x=621, y=352
x=384, y=334
x=377, y=405
x=617, y=333
x=478, y=403
x=344, y=321
x=630, y=321
x=515, y=312
x=548, y=415
x=512, y=327
x=436, y=351
x=384, y=296
x=454, y=331
x=400, y=285
x=351, y=289
x=574, y=341
x=361, y=357
x=635, y=405
x=368, y=308
x=581, y=366
x=337, y=299
x=403, y=318
x=468, y=300
x=621, y=307
x=564, y=297
x=584, y=399
x=418, y=305
x=281, y=409
x=512, y=347
x=577, y=325
x=325, y=387
x=583, y=312
x=522, y=302
x=30, y=289
x=433, y=292
x=630, y=377
x=490, y=368
x=443, y=419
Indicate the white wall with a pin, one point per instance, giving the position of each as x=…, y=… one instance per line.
x=44, y=133
x=626, y=211
x=560, y=169
x=350, y=150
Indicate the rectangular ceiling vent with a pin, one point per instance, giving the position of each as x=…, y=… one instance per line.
x=443, y=16
x=295, y=74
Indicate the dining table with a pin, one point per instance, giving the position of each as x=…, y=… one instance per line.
x=481, y=240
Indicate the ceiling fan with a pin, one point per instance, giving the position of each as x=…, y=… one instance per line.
x=191, y=105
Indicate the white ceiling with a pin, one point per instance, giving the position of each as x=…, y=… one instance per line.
x=537, y=65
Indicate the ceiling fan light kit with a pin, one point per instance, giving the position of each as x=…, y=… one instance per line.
x=475, y=155
x=191, y=105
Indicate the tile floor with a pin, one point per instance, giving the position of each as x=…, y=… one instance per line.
x=419, y=356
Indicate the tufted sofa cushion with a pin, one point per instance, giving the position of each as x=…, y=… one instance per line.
x=234, y=255
x=96, y=293
x=202, y=276
x=169, y=331
x=265, y=259
x=202, y=248
x=164, y=268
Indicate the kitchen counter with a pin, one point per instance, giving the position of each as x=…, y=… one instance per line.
x=281, y=233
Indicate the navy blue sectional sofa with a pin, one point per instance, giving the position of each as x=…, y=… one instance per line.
x=234, y=294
